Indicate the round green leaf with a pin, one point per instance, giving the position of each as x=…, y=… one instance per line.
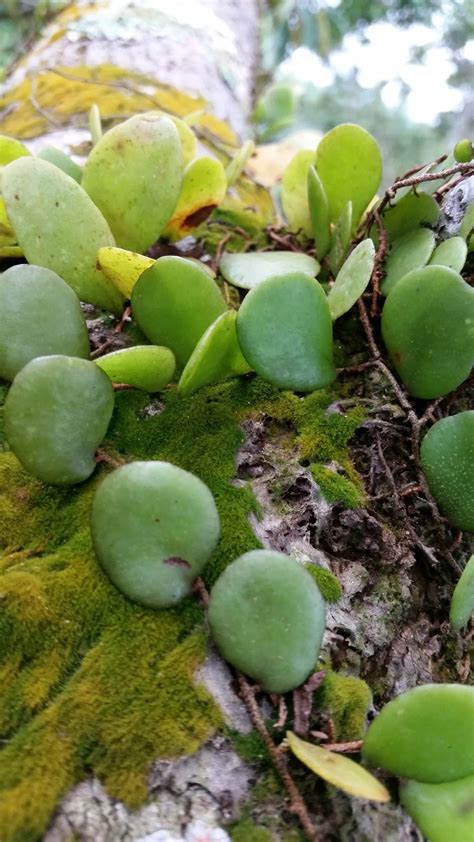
x=462, y=603
x=133, y=174
x=147, y=367
x=319, y=213
x=422, y=734
x=41, y=315
x=451, y=253
x=56, y=414
x=11, y=149
x=61, y=160
x=284, y=329
x=174, y=302
x=247, y=270
x=349, y=164
x=464, y=151
x=154, y=526
x=409, y=212
x=59, y=227
x=216, y=357
x=411, y=251
x=294, y=192
x=428, y=328
x=352, y=279
x=340, y=239
x=447, y=458
x=441, y=811
x=267, y=617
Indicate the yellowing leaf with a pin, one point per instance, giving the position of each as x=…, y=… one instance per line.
x=122, y=267
x=5, y=226
x=203, y=188
x=338, y=770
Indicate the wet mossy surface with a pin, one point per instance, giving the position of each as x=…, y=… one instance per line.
x=91, y=682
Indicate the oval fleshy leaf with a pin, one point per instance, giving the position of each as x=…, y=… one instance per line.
x=174, y=302
x=216, y=357
x=284, y=329
x=41, y=316
x=428, y=329
x=294, y=192
x=422, y=734
x=451, y=253
x=11, y=149
x=249, y=269
x=411, y=211
x=349, y=164
x=61, y=160
x=319, y=213
x=133, y=175
x=447, y=458
x=411, y=251
x=340, y=239
x=462, y=602
x=203, y=189
x=338, y=770
x=63, y=232
x=146, y=367
x=122, y=267
x=352, y=279
x=441, y=811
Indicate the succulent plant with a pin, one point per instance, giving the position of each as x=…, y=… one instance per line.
x=122, y=267
x=441, y=811
x=154, y=526
x=203, y=189
x=409, y=211
x=147, y=367
x=59, y=227
x=410, y=251
x=464, y=151
x=451, y=253
x=422, y=734
x=11, y=149
x=294, y=192
x=267, y=617
x=319, y=213
x=56, y=414
x=352, y=279
x=133, y=175
x=428, y=329
x=340, y=238
x=61, y=160
x=284, y=329
x=447, y=458
x=41, y=315
x=174, y=302
x=248, y=269
x=216, y=357
x=462, y=602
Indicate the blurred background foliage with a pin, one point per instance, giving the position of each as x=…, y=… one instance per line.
x=402, y=68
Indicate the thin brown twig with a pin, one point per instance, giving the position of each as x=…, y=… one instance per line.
x=101, y=455
x=378, y=262
x=345, y=748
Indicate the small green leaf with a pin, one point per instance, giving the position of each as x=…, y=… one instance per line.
x=284, y=329
x=249, y=269
x=349, y=164
x=11, y=149
x=466, y=230
x=447, y=458
x=464, y=151
x=441, y=811
x=146, y=367
x=411, y=211
x=340, y=239
x=462, y=603
x=428, y=329
x=238, y=163
x=294, y=192
x=61, y=160
x=174, y=302
x=338, y=770
x=422, y=734
x=451, y=253
x=319, y=212
x=411, y=251
x=216, y=357
x=352, y=279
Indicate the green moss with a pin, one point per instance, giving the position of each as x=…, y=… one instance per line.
x=247, y=831
x=347, y=700
x=336, y=488
x=250, y=747
x=326, y=582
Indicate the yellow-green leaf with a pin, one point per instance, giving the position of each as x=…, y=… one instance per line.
x=338, y=770
x=122, y=267
x=203, y=188
x=294, y=192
